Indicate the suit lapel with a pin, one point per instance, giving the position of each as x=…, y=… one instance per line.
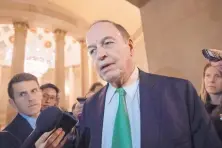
x=99, y=107
x=25, y=128
x=20, y=128
x=149, y=110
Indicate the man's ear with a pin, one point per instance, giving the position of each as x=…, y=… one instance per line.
x=12, y=103
x=131, y=45
x=57, y=100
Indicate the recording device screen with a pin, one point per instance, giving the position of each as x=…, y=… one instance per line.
x=67, y=122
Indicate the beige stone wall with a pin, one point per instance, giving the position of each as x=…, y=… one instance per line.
x=140, y=57
x=5, y=73
x=48, y=77
x=175, y=31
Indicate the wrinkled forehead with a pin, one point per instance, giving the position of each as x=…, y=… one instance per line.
x=101, y=30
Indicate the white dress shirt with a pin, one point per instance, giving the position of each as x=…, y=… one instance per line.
x=30, y=120
x=133, y=106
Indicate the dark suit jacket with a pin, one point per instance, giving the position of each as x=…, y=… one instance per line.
x=172, y=116
x=6, y=143
x=18, y=130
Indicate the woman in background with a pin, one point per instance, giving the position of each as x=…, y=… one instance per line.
x=211, y=89
x=211, y=94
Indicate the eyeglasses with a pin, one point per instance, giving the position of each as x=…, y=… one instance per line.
x=49, y=97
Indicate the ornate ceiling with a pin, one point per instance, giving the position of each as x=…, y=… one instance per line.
x=120, y=11
x=71, y=15
x=40, y=46
x=44, y=16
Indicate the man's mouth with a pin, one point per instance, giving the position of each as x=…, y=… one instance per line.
x=45, y=105
x=105, y=66
x=32, y=105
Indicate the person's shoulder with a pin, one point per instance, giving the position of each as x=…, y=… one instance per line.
x=18, y=127
x=8, y=140
x=164, y=79
x=12, y=125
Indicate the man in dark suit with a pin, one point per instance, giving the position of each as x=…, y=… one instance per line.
x=136, y=109
x=26, y=96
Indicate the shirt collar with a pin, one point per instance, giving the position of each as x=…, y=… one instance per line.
x=131, y=89
x=130, y=86
x=110, y=93
x=31, y=120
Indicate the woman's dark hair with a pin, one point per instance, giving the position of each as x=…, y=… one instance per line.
x=94, y=85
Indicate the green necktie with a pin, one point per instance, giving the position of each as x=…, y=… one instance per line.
x=121, y=133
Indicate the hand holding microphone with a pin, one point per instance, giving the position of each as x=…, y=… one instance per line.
x=49, y=120
x=52, y=139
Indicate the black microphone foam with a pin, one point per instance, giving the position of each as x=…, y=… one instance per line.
x=47, y=121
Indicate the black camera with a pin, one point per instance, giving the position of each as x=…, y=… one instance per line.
x=67, y=122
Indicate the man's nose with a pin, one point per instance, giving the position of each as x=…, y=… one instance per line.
x=212, y=79
x=31, y=97
x=46, y=100
x=101, y=53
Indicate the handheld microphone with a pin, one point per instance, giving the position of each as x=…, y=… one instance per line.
x=47, y=121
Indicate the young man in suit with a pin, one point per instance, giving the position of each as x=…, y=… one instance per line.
x=138, y=109
x=26, y=96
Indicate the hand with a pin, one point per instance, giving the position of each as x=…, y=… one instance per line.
x=51, y=139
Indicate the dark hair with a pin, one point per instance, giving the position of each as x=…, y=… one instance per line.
x=94, y=85
x=20, y=78
x=50, y=85
x=119, y=27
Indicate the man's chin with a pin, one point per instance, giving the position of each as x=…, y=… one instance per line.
x=34, y=114
x=111, y=78
x=44, y=107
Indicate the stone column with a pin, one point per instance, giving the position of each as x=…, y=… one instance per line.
x=3, y=105
x=71, y=78
x=59, y=64
x=18, y=58
x=84, y=68
x=7, y=112
x=77, y=81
